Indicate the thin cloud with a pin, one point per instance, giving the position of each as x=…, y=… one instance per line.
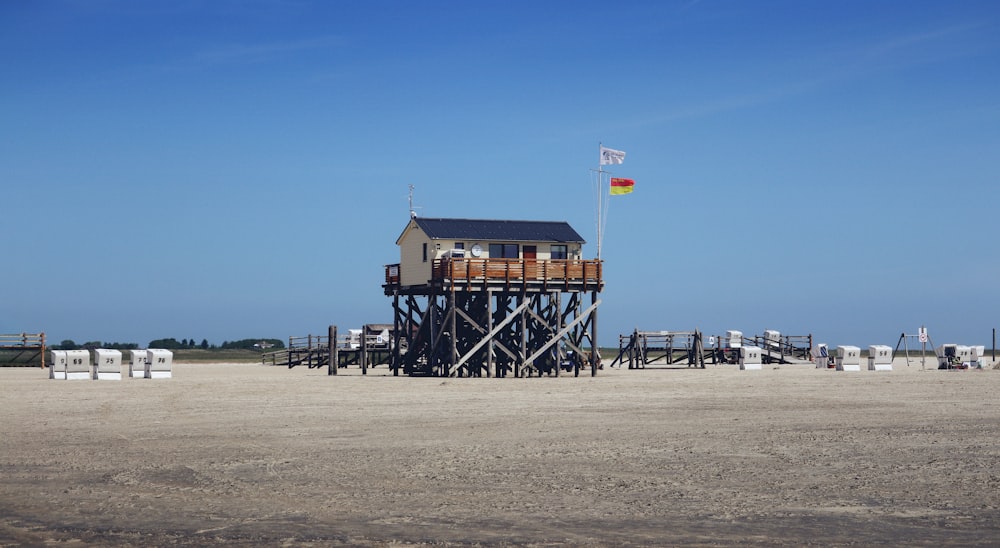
x=254, y=53
x=846, y=64
x=915, y=39
x=726, y=104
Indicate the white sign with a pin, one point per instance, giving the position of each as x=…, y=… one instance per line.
x=923, y=335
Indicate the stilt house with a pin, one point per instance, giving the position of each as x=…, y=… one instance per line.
x=493, y=293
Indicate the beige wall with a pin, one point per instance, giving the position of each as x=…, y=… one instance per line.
x=412, y=268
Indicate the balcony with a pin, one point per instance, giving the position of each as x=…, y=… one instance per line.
x=480, y=274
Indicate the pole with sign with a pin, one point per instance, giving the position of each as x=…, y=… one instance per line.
x=923, y=345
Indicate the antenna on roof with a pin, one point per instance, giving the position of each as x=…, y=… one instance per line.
x=413, y=213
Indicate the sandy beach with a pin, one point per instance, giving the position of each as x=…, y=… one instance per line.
x=258, y=455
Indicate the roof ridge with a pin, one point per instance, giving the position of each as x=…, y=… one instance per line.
x=487, y=220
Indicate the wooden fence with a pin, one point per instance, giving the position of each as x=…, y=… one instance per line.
x=23, y=346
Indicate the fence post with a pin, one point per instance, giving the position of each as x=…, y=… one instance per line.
x=364, y=349
x=332, y=340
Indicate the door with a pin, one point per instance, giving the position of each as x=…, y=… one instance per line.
x=530, y=256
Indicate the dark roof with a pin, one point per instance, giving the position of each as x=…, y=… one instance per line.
x=484, y=229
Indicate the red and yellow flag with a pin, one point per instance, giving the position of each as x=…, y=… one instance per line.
x=621, y=186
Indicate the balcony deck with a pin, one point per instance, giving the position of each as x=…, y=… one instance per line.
x=508, y=274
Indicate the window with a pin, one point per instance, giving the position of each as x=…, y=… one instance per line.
x=504, y=251
x=459, y=245
x=425, y=252
x=558, y=252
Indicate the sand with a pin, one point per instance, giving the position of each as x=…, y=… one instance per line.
x=258, y=455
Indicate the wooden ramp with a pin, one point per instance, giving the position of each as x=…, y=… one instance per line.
x=780, y=349
x=367, y=349
x=664, y=349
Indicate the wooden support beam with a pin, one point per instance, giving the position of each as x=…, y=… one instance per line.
x=331, y=336
x=452, y=326
x=396, y=335
x=595, y=352
x=492, y=333
x=489, y=339
x=569, y=327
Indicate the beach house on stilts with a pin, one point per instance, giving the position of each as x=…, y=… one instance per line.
x=476, y=297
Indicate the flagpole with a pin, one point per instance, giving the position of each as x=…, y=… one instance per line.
x=604, y=156
x=600, y=201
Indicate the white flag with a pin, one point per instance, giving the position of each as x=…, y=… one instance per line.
x=611, y=156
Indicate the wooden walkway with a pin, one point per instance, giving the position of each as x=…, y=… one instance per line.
x=314, y=351
x=641, y=349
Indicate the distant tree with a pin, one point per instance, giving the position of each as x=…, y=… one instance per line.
x=184, y=342
x=121, y=346
x=92, y=345
x=67, y=344
x=167, y=344
x=191, y=342
x=254, y=344
x=204, y=344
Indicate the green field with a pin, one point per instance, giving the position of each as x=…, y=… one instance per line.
x=217, y=355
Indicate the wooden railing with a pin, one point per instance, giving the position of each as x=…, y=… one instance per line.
x=23, y=342
x=392, y=274
x=463, y=270
x=308, y=341
x=283, y=356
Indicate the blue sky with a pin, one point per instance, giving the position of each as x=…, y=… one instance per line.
x=226, y=170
